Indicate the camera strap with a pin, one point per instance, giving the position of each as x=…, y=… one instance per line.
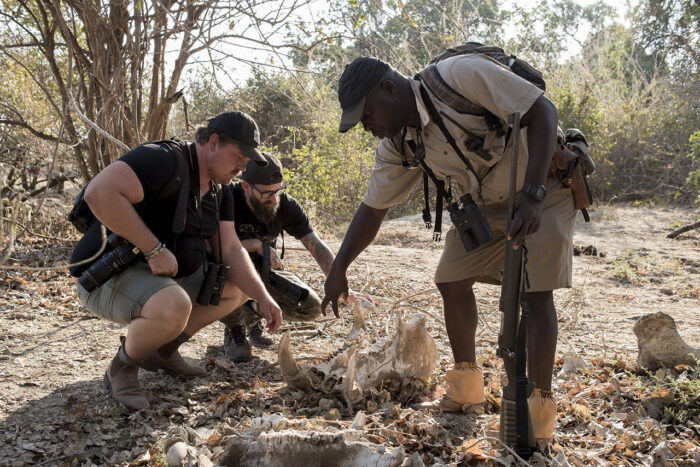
x=418, y=148
x=437, y=118
x=265, y=269
x=442, y=193
x=194, y=166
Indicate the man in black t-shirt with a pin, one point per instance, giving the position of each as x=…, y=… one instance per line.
x=143, y=197
x=263, y=212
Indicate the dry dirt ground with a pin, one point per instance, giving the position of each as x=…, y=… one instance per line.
x=54, y=409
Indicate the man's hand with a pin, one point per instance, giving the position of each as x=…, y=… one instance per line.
x=272, y=314
x=354, y=296
x=336, y=287
x=163, y=264
x=526, y=220
x=275, y=261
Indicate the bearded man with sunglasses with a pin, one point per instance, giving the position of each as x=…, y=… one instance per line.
x=262, y=213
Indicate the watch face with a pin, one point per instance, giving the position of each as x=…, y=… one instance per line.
x=538, y=192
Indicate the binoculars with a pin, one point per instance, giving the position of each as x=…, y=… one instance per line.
x=471, y=225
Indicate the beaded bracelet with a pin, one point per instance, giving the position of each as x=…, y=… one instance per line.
x=155, y=251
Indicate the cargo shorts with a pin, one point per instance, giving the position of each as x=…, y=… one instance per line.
x=121, y=298
x=549, y=250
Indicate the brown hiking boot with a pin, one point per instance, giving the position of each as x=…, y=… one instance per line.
x=122, y=381
x=174, y=365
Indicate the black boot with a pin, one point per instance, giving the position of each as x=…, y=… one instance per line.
x=256, y=336
x=254, y=325
x=236, y=346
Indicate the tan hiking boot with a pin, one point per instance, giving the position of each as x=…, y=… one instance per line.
x=122, y=381
x=543, y=412
x=174, y=365
x=464, y=391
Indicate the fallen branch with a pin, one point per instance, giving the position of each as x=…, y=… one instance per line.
x=684, y=229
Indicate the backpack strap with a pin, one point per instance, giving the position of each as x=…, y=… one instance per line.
x=426, y=198
x=437, y=118
x=180, y=182
x=431, y=77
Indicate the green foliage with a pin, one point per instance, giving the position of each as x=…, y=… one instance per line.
x=680, y=391
x=636, y=117
x=693, y=180
x=328, y=171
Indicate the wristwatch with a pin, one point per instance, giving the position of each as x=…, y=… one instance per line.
x=538, y=192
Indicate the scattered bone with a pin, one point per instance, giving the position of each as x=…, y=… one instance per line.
x=414, y=461
x=572, y=364
x=359, y=422
x=358, y=326
x=408, y=357
x=178, y=455
x=660, y=344
x=308, y=448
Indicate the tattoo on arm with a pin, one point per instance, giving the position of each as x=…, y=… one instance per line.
x=321, y=253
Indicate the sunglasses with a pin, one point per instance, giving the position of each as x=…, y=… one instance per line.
x=267, y=194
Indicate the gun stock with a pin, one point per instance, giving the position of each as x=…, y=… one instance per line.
x=516, y=425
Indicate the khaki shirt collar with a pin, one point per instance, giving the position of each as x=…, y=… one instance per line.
x=422, y=110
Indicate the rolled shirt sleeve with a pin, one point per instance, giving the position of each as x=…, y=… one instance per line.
x=390, y=183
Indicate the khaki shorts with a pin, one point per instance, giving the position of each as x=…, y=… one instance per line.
x=121, y=298
x=549, y=250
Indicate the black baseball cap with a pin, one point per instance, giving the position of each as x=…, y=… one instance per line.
x=242, y=128
x=263, y=175
x=357, y=80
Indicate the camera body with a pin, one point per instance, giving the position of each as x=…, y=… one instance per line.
x=110, y=264
x=213, y=284
x=471, y=225
x=287, y=288
x=284, y=286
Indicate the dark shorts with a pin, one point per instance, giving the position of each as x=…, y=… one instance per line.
x=121, y=298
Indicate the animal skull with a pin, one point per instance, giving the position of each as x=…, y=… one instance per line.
x=410, y=355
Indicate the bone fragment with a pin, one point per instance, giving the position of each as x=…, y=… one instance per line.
x=660, y=344
x=178, y=454
x=288, y=366
x=350, y=390
x=408, y=357
x=309, y=448
x=358, y=326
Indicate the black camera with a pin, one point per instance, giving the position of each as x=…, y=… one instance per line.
x=213, y=284
x=281, y=284
x=287, y=288
x=110, y=264
x=471, y=225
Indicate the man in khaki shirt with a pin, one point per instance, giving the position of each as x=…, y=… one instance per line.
x=392, y=107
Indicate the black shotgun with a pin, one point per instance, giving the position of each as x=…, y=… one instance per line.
x=516, y=425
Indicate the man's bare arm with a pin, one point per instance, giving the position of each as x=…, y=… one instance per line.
x=111, y=196
x=243, y=274
x=319, y=250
